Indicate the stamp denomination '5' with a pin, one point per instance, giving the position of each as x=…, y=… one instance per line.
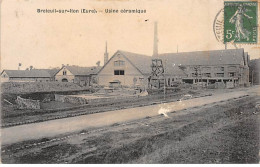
x=240, y=22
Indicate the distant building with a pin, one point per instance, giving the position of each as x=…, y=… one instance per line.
x=33, y=75
x=223, y=66
x=83, y=76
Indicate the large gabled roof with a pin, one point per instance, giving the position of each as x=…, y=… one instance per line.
x=143, y=63
x=213, y=57
x=173, y=60
x=34, y=73
x=77, y=70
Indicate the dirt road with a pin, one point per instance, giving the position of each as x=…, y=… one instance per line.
x=61, y=126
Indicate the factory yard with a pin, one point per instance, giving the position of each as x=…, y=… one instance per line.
x=223, y=129
x=52, y=110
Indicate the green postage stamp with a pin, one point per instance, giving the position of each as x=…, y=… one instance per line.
x=240, y=22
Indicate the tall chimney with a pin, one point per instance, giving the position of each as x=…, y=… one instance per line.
x=155, y=44
x=105, y=55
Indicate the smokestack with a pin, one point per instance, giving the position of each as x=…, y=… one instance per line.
x=155, y=44
x=105, y=55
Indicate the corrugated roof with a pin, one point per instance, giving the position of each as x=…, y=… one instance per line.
x=34, y=73
x=77, y=70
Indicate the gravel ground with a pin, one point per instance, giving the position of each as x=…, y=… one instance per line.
x=226, y=132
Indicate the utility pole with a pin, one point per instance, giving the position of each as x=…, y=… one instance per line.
x=196, y=74
x=164, y=74
x=252, y=80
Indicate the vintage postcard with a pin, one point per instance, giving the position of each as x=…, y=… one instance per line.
x=130, y=82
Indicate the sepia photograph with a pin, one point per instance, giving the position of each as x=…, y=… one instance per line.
x=130, y=82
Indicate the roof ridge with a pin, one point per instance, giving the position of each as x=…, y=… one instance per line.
x=80, y=66
x=132, y=53
x=203, y=51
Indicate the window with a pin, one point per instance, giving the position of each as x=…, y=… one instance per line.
x=119, y=63
x=206, y=74
x=206, y=69
x=219, y=68
x=119, y=72
x=64, y=72
x=231, y=74
x=194, y=74
x=232, y=68
x=219, y=74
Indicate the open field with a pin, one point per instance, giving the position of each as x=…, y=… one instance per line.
x=223, y=132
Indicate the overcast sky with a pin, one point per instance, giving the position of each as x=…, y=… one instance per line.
x=50, y=40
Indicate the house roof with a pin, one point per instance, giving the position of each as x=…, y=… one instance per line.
x=34, y=73
x=53, y=71
x=77, y=70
